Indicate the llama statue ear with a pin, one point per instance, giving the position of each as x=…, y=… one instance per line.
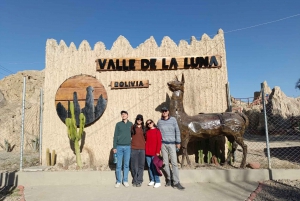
x=176, y=78
x=182, y=79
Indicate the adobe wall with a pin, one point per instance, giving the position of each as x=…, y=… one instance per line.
x=205, y=89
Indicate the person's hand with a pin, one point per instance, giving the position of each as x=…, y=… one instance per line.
x=157, y=154
x=115, y=150
x=178, y=146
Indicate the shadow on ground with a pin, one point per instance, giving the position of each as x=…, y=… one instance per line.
x=8, y=184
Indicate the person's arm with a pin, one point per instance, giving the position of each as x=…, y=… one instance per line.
x=158, y=142
x=177, y=134
x=115, y=139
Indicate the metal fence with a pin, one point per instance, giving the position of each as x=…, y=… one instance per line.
x=31, y=128
x=20, y=126
x=271, y=130
x=268, y=132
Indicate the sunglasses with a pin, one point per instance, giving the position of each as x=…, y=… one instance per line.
x=139, y=119
x=148, y=123
x=164, y=110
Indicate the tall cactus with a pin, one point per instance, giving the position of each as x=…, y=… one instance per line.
x=229, y=144
x=209, y=156
x=74, y=135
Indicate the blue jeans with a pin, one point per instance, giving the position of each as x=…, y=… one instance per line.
x=152, y=170
x=123, y=152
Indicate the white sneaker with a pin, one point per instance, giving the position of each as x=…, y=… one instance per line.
x=126, y=184
x=151, y=183
x=157, y=185
x=117, y=185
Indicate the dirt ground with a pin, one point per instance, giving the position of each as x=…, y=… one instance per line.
x=10, y=161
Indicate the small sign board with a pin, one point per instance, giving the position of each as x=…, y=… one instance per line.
x=127, y=84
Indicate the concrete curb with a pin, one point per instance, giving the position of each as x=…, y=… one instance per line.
x=108, y=177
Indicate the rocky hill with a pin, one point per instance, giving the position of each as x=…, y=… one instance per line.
x=11, y=90
x=281, y=110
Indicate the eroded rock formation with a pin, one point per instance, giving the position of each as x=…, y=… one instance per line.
x=11, y=90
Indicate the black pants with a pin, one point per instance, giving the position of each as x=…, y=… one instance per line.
x=137, y=164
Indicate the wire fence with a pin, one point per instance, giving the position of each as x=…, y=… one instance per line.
x=14, y=122
x=31, y=128
x=269, y=126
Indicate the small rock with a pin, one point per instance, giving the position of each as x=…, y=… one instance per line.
x=214, y=160
x=253, y=165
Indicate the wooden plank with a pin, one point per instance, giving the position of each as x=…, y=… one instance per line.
x=126, y=84
x=76, y=82
x=159, y=63
x=67, y=93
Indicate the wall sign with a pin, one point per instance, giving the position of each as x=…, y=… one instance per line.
x=87, y=93
x=159, y=63
x=129, y=84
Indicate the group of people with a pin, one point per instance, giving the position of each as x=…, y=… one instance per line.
x=146, y=141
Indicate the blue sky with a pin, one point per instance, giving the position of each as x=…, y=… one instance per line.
x=269, y=52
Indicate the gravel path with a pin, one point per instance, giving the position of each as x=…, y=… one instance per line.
x=279, y=190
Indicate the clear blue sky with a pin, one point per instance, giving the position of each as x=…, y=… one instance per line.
x=269, y=52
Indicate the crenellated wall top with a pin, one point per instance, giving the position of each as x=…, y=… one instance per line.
x=127, y=49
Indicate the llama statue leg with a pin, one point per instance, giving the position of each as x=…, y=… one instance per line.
x=240, y=142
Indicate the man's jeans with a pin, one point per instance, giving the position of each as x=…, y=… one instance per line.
x=123, y=152
x=153, y=174
x=170, y=150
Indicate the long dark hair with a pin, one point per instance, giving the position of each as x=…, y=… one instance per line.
x=133, y=128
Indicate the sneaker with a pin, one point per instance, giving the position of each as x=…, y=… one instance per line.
x=117, y=185
x=138, y=185
x=178, y=186
x=157, y=185
x=168, y=183
x=126, y=184
x=151, y=183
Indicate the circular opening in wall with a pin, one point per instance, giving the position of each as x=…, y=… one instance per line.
x=88, y=95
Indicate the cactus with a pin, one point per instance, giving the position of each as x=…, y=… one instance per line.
x=53, y=158
x=35, y=143
x=201, y=156
x=201, y=159
x=219, y=160
x=48, y=159
x=73, y=134
x=209, y=155
x=7, y=146
x=229, y=152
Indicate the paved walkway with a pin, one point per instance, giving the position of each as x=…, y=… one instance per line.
x=224, y=191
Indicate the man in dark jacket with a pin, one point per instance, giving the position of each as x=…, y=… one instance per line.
x=121, y=146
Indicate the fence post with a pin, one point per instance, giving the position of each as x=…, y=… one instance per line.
x=41, y=124
x=23, y=117
x=228, y=98
x=266, y=129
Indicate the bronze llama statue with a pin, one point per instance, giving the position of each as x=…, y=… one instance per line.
x=231, y=125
